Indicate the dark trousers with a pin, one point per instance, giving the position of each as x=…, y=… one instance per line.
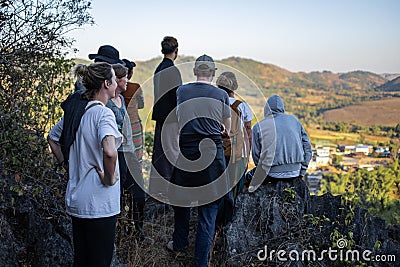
x=127, y=173
x=93, y=241
x=159, y=160
x=205, y=231
x=129, y=184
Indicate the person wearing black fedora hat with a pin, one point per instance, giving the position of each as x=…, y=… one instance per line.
x=107, y=53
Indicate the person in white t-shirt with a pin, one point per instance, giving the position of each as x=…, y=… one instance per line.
x=93, y=191
x=237, y=146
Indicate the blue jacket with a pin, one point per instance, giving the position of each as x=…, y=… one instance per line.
x=280, y=143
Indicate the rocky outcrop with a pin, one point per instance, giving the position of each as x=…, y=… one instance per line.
x=34, y=228
x=33, y=233
x=282, y=216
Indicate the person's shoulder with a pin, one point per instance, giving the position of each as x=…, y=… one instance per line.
x=106, y=112
x=221, y=92
x=293, y=118
x=160, y=67
x=184, y=86
x=245, y=106
x=165, y=63
x=97, y=106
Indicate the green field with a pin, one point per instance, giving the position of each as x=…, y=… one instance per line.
x=330, y=138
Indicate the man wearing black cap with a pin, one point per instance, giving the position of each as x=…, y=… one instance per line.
x=202, y=111
x=167, y=78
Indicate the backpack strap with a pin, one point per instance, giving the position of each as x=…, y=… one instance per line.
x=92, y=105
x=236, y=104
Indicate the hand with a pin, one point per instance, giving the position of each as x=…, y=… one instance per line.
x=103, y=179
x=224, y=133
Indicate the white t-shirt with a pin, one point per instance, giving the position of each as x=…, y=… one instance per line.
x=86, y=196
x=247, y=115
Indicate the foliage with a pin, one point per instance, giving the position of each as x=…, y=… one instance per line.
x=337, y=160
x=33, y=81
x=33, y=77
x=148, y=143
x=377, y=190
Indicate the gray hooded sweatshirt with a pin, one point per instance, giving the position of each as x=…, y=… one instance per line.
x=280, y=144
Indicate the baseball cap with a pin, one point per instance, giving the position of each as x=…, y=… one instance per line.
x=204, y=63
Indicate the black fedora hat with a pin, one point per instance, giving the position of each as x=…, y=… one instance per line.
x=107, y=53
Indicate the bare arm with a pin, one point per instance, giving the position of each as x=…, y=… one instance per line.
x=56, y=149
x=247, y=126
x=110, y=156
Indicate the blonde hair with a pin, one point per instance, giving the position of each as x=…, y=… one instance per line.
x=93, y=76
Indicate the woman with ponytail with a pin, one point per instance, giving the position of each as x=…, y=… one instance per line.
x=93, y=191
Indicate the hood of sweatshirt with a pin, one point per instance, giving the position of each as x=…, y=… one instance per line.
x=274, y=105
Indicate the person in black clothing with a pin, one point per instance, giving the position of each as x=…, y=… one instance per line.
x=167, y=78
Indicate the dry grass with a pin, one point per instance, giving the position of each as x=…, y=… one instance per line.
x=380, y=112
x=154, y=253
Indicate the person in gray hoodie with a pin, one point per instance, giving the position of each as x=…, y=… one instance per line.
x=280, y=144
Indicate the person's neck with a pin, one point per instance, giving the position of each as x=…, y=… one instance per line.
x=118, y=91
x=170, y=56
x=103, y=98
x=204, y=79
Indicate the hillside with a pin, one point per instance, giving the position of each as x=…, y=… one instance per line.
x=390, y=86
x=315, y=97
x=380, y=112
x=307, y=95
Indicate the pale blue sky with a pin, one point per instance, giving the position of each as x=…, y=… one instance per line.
x=308, y=35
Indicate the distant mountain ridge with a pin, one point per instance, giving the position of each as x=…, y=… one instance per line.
x=308, y=95
x=390, y=86
x=267, y=75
